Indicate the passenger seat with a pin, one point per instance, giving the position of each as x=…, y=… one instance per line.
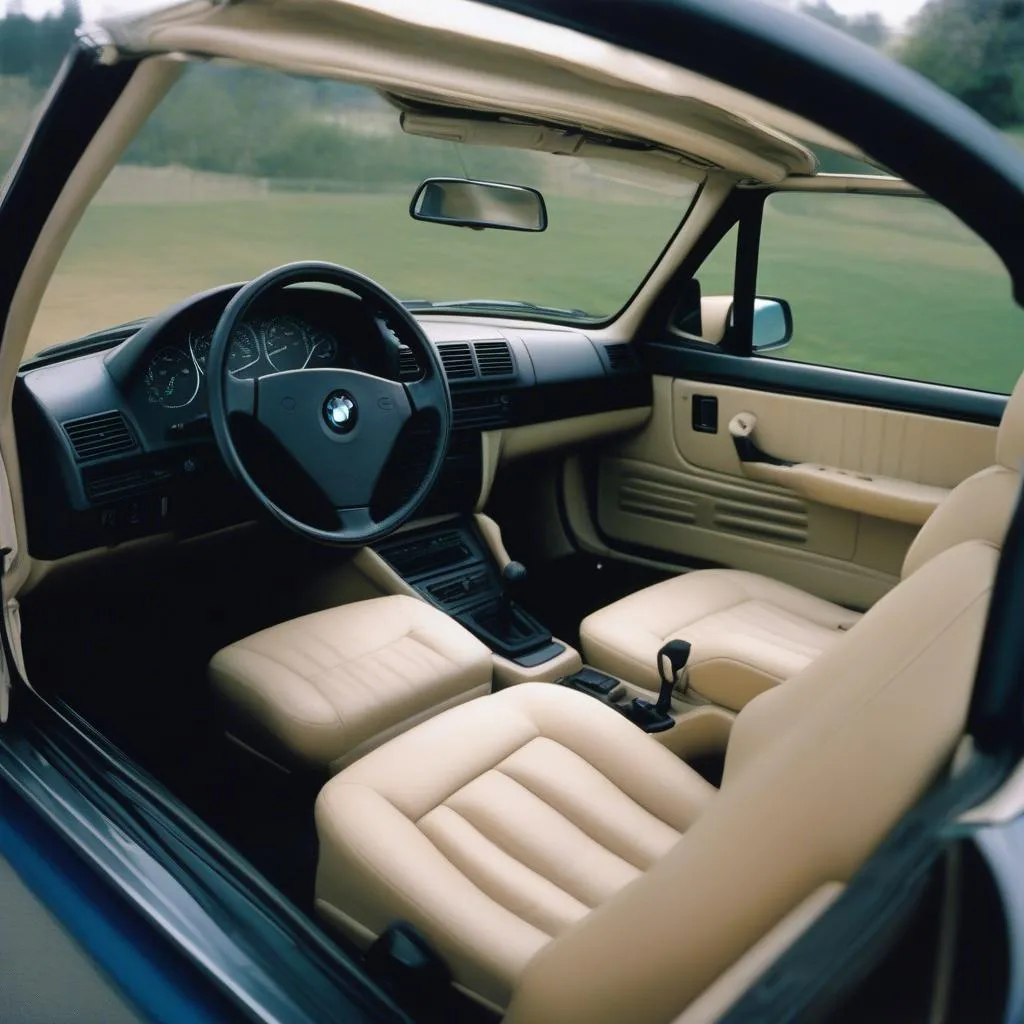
x=750, y=632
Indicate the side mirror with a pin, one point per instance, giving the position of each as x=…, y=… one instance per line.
x=773, y=324
x=479, y=204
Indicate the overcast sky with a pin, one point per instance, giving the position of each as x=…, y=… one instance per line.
x=895, y=12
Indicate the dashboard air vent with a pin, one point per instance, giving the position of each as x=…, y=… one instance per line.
x=621, y=356
x=92, y=437
x=408, y=367
x=494, y=358
x=457, y=360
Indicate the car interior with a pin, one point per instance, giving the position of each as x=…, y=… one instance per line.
x=591, y=658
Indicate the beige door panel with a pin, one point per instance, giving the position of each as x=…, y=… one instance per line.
x=694, y=515
x=884, y=496
x=685, y=492
x=858, y=438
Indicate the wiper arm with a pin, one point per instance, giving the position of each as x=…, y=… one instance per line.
x=493, y=304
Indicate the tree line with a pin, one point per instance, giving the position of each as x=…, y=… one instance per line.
x=973, y=49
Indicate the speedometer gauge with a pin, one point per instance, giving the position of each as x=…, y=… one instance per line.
x=286, y=343
x=171, y=379
x=243, y=352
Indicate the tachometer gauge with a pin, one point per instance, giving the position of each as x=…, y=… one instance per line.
x=323, y=348
x=286, y=343
x=171, y=378
x=244, y=351
x=199, y=342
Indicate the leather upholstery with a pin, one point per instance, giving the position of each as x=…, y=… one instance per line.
x=1010, y=439
x=547, y=848
x=748, y=632
x=329, y=686
x=978, y=509
x=498, y=825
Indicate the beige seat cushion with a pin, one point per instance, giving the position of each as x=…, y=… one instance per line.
x=327, y=687
x=748, y=632
x=497, y=826
x=548, y=848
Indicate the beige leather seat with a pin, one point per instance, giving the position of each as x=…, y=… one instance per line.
x=750, y=632
x=325, y=688
x=567, y=867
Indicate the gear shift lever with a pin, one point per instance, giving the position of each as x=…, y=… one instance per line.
x=676, y=653
x=512, y=577
x=658, y=717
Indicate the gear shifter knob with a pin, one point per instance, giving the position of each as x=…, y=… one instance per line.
x=513, y=574
x=512, y=577
x=675, y=654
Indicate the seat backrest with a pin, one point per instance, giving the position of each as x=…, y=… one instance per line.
x=981, y=506
x=819, y=769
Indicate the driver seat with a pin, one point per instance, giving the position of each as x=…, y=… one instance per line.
x=323, y=689
x=567, y=867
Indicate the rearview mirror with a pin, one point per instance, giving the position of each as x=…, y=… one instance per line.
x=773, y=324
x=479, y=204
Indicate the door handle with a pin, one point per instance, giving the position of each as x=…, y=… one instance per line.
x=741, y=430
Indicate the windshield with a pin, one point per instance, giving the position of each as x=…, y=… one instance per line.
x=240, y=170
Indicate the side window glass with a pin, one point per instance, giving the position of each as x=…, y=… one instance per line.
x=890, y=285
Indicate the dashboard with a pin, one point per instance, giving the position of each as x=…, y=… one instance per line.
x=292, y=330
x=115, y=437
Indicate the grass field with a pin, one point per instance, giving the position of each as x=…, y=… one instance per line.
x=127, y=260
x=888, y=285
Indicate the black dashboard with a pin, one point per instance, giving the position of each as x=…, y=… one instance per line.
x=115, y=443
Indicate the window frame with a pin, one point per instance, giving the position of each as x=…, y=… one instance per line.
x=732, y=361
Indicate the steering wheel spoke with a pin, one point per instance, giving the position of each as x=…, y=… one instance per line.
x=356, y=519
x=338, y=426
x=240, y=394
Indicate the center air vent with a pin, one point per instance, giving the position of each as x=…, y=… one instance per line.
x=457, y=360
x=494, y=358
x=408, y=367
x=92, y=437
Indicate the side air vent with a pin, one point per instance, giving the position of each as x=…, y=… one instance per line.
x=408, y=367
x=457, y=360
x=92, y=437
x=621, y=356
x=494, y=358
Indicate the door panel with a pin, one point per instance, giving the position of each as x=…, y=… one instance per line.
x=682, y=491
x=908, y=446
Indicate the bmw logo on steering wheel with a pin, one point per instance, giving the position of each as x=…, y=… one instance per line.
x=340, y=412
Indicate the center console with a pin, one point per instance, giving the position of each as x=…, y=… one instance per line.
x=452, y=566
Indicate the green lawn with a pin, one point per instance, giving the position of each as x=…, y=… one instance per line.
x=889, y=285
x=894, y=286
x=127, y=260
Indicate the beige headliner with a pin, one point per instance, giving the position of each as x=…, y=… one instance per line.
x=462, y=54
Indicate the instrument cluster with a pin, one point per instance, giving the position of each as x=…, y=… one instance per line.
x=173, y=376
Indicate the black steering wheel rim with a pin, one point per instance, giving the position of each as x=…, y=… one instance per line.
x=228, y=394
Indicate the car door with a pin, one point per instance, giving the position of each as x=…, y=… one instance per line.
x=809, y=440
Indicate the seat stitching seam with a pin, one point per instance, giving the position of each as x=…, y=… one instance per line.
x=576, y=824
x=522, y=864
x=504, y=849
x=441, y=924
x=462, y=785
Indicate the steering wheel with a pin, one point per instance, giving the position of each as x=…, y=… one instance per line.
x=339, y=426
